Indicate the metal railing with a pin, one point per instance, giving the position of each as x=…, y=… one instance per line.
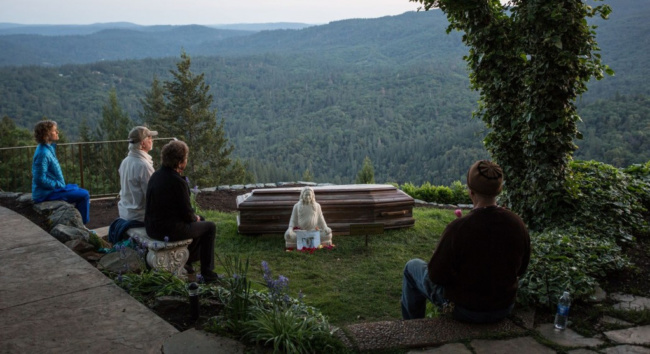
x=92, y=165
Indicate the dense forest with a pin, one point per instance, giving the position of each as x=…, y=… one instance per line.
x=322, y=98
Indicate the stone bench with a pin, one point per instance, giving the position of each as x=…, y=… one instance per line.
x=169, y=256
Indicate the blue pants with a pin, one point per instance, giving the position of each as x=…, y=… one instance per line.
x=75, y=195
x=417, y=288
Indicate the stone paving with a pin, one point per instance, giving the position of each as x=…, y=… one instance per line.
x=53, y=301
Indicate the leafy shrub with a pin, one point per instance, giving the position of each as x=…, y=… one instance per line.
x=461, y=195
x=567, y=260
x=456, y=194
x=289, y=330
x=605, y=200
x=409, y=189
x=640, y=172
x=426, y=192
x=444, y=195
x=603, y=210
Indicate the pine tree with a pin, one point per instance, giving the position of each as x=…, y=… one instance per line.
x=307, y=176
x=187, y=115
x=85, y=133
x=153, y=109
x=115, y=123
x=367, y=173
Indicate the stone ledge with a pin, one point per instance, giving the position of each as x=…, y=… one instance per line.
x=430, y=332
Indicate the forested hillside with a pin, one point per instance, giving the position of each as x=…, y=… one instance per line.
x=323, y=98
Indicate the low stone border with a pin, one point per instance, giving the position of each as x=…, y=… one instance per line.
x=236, y=187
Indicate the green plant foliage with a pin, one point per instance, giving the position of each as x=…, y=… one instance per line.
x=236, y=298
x=145, y=287
x=308, y=176
x=641, y=172
x=529, y=61
x=570, y=259
x=285, y=323
x=461, y=195
x=288, y=331
x=605, y=209
x=456, y=194
x=367, y=173
x=605, y=200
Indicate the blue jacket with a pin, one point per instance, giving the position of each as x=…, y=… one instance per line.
x=46, y=172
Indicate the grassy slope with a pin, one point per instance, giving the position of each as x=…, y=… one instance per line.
x=350, y=283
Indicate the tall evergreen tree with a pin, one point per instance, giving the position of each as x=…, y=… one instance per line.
x=11, y=135
x=85, y=133
x=115, y=123
x=153, y=109
x=367, y=173
x=13, y=174
x=188, y=116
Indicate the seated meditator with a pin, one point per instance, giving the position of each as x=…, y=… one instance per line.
x=169, y=213
x=135, y=171
x=307, y=215
x=47, y=177
x=476, y=266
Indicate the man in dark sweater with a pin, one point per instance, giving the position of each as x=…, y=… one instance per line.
x=475, y=267
x=169, y=213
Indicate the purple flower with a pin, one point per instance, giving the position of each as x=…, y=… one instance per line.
x=277, y=288
x=166, y=239
x=199, y=278
x=195, y=190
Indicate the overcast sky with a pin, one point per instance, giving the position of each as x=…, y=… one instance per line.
x=203, y=12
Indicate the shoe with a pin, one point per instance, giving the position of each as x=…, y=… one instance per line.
x=210, y=277
x=90, y=231
x=188, y=268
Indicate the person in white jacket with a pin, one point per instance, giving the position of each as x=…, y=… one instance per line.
x=135, y=171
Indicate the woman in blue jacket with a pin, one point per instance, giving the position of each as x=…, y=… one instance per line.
x=47, y=177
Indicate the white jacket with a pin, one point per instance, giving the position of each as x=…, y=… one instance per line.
x=135, y=171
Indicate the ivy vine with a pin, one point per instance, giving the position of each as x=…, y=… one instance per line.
x=529, y=60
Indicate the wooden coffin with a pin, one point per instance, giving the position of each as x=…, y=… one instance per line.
x=267, y=211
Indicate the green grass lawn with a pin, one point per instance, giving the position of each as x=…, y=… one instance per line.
x=350, y=283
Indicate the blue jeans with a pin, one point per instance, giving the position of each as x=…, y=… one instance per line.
x=417, y=288
x=75, y=195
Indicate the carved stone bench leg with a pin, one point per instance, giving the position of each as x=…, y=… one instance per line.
x=172, y=259
x=169, y=256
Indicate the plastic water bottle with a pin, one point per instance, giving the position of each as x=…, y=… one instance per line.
x=562, y=315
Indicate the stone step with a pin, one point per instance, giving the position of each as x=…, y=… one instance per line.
x=431, y=332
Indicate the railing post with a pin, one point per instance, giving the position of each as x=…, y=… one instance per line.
x=81, y=164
